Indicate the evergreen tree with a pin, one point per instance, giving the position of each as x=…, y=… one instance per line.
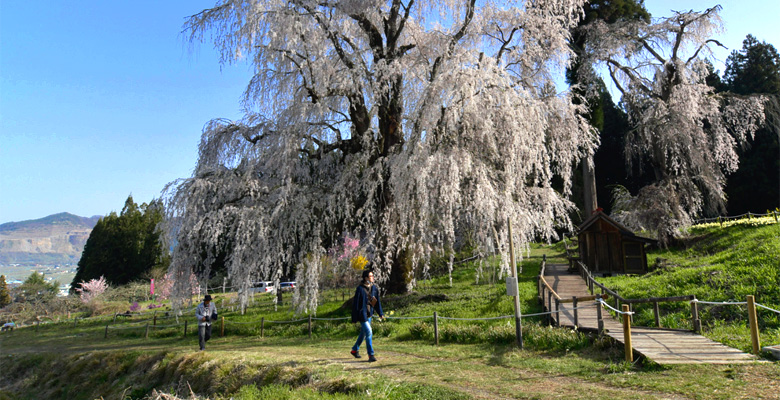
x=755, y=186
x=123, y=247
x=35, y=289
x=594, y=194
x=5, y=295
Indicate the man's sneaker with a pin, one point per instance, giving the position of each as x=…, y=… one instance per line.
x=355, y=354
x=371, y=358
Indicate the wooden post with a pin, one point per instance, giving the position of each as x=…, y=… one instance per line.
x=752, y=317
x=627, y=334
x=656, y=314
x=262, y=326
x=576, y=317
x=222, y=327
x=549, y=306
x=309, y=326
x=185, y=328
x=146, y=334
x=518, y=322
x=557, y=312
x=106, y=335
x=539, y=289
x=435, y=328
x=600, y=318
x=154, y=318
x=774, y=213
x=695, y=316
x=115, y=314
x=749, y=215
x=720, y=221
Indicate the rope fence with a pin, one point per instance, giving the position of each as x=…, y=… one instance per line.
x=749, y=215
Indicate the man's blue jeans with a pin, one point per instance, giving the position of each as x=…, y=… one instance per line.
x=365, y=333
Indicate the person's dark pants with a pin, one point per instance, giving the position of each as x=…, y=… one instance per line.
x=204, y=334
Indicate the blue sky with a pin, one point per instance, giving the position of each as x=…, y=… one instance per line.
x=101, y=99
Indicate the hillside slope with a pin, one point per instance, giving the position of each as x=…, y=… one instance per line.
x=57, y=238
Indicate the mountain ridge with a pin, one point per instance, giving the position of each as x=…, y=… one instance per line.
x=56, y=238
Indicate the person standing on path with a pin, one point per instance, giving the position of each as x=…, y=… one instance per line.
x=205, y=313
x=364, y=304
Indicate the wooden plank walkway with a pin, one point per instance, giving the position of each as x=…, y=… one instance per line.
x=663, y=346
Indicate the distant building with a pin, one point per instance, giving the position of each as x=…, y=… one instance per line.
x=607, y=247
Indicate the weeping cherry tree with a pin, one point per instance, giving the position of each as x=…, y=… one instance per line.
x=686, y=133
x=407, y=124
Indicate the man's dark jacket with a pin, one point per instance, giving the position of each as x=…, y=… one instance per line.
x=360, y=305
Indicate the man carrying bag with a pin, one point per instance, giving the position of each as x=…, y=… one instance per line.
x=205, y=313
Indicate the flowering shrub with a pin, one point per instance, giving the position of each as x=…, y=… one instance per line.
x=135, y=307
x=358, y=262
x=92, y=289
x=165, y=287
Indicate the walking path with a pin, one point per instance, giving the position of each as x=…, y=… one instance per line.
x=664, y=346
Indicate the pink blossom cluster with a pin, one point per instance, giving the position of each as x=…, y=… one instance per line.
x=349, y=248
x=92, y=289
x=166, y=286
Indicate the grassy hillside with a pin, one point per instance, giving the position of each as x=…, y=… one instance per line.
x=475, y=359
x=718, y=264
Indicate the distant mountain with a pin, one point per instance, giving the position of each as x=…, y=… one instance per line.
x=56, y=239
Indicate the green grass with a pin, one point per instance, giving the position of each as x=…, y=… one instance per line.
x=714, y=264
x=475, y=359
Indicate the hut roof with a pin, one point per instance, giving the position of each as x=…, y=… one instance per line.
x=600, y=215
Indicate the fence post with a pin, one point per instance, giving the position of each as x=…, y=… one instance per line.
x=154, y=318
x=557, y=312
x=752, y=317
x=106, y=335
x=576, y=317
x=115, y=314
x=146, y=334
x=185, y=328
x=600, y=318
x=549, y=306
x=749, y=215
x=435, y=328
x=627, y=334
x=720, y=221
x=262, y=326
x=222, y=327
x=309, y=326
x=656, y=314
x=774, y=213
x=695, y=315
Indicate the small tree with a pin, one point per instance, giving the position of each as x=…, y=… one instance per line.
x=5, y=296
x=89, y=291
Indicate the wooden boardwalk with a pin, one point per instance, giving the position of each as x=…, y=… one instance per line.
x=663, y=346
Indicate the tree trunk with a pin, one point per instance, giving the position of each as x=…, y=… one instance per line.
x=589, y=188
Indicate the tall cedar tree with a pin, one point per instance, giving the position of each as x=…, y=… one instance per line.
x=755, y=186
x=123, y=247
x=590, y=191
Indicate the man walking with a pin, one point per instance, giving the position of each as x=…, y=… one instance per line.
x=365, y=302
x=205, y=313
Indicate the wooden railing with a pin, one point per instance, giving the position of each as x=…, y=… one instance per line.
x=592, y=283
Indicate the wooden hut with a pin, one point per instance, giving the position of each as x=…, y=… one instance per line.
x=608, y=247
